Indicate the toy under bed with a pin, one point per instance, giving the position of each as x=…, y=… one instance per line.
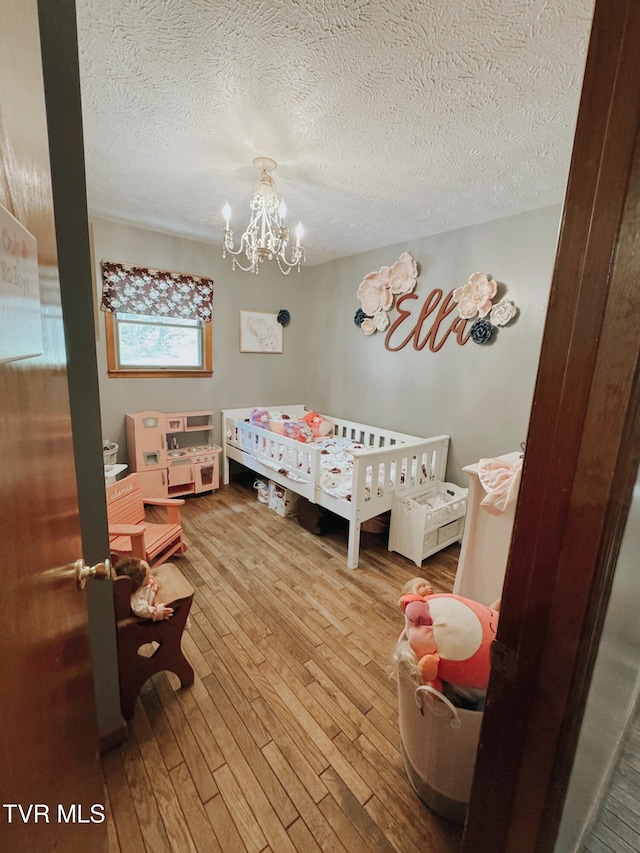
x=371, y=464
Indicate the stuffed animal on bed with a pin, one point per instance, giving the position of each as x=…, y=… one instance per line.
x=320, y=426
x=299, y=430
x=450, y=637
x=277, y=425
x=260, y=417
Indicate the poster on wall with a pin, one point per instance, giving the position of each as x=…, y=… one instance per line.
x=20, y=321
x=260, y=332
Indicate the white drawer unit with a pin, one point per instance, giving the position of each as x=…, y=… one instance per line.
x=428, y=521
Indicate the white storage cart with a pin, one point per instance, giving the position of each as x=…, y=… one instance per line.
x=427, y=521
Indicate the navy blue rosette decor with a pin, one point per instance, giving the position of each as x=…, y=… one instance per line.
x=284, y=318
x=481, y=332
x=360, y=317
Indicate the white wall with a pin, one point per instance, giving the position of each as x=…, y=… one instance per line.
x=239, y=379
x=479, y=395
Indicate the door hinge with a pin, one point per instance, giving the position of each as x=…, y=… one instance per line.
x=504, y=660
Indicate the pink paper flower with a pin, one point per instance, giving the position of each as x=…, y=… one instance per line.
x=403, y=274
x=368, y=326
x=374, y=292
x=475, y=296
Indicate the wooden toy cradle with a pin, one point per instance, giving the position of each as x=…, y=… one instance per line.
x=132, y=632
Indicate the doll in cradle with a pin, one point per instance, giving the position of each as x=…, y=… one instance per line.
x=144, y=589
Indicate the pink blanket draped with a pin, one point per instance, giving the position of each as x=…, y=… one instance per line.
x=500, y=480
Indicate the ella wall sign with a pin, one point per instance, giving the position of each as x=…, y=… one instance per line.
x=413, y=326
x=379, y=290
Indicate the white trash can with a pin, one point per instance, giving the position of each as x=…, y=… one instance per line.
x=109, y=451
x=439, y=744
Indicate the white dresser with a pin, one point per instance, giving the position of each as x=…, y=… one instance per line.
x=485, y=543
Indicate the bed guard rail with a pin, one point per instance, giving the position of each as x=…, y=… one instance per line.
x=291, y=458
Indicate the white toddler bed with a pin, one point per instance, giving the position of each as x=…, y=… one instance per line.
x=384, y=462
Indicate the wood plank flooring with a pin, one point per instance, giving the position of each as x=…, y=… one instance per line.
x=288, y=740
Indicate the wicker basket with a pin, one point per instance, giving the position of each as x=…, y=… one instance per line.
x=109, y=451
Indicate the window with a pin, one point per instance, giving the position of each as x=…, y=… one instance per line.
x=143, y=345
x=158, y=323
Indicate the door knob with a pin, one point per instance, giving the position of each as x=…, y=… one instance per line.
x=101, y=571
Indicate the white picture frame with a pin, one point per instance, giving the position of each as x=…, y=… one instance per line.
x=20, y=309
x=260, y=332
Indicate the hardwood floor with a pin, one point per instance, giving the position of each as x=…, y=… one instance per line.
x=288, y=739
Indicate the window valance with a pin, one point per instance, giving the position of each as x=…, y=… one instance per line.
x=138, y=290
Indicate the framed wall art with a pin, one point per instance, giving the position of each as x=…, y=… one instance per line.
x=20, y=309
x=260, y=332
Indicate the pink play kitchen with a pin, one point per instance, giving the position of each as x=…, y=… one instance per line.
x=173, y=452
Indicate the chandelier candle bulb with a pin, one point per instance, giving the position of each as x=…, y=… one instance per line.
x=299, y=233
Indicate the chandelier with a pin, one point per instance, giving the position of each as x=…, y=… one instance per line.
x=266, y=235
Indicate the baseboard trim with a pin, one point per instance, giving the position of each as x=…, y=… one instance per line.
x=113, y=737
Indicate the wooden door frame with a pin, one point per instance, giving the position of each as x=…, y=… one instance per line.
x=61, y=76
x=581, y=461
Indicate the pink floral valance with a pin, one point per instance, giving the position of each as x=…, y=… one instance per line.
x=138, y=290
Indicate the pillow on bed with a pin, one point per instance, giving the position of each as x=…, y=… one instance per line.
x=320, y=426
x=260, y=417
x=299, y=430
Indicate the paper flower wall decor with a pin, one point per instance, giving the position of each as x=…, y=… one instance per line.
x=378, y=323
x=475, y=296
x=284, y=318
x=475, y=299
x=359, y=317
x=503, y=312
x=481, y=331
x=377, y=292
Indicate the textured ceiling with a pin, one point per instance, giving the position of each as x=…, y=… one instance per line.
x=389, y=119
